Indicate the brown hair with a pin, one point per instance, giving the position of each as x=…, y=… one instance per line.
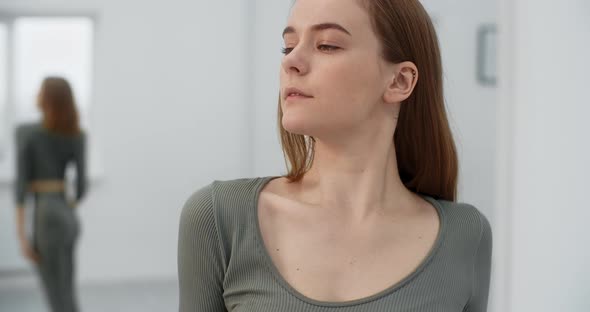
x=58, y=106
x=425, y=150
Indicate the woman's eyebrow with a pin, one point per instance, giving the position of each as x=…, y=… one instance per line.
x=318, y=27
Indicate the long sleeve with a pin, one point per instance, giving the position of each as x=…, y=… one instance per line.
x=482, y=270
x=200, y=260
x=80, y=161
x=23, y=166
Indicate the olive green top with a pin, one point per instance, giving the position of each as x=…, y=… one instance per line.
x=44, y=155
x=223, y=264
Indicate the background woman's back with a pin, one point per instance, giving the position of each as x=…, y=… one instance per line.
x=44, y=150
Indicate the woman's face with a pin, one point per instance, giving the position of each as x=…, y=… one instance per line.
x=332, y=75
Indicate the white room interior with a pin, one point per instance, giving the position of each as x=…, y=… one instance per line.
x=185, y=92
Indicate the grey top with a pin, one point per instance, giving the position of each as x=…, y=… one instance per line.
x=223, y=264
x=42, y=154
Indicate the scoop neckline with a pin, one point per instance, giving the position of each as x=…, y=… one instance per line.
x=381, y=294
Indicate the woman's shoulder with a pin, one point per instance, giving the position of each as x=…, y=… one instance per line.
x=237, y=190
x=225, y=198
x=466, y=221
x=220, y=209
x=225, y=191
x=24, y=132
x=26, y=128
x=29, y=130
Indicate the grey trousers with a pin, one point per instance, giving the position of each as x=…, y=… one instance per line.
x=56, y=229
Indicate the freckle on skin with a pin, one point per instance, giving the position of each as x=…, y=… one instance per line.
x=277, y=249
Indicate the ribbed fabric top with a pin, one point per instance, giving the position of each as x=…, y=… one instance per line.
x=223, y=264
x=42, y=154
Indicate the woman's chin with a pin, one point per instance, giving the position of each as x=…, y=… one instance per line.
x=295, y=126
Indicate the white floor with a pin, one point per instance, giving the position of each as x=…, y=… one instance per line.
x=24, y=295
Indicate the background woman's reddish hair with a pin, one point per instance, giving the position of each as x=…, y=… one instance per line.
x=58, y=106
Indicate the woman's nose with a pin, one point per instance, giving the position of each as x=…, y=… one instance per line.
x=296, y=62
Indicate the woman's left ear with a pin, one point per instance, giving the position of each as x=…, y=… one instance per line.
x=402, y=83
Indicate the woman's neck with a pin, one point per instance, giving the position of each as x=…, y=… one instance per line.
x=357, y=182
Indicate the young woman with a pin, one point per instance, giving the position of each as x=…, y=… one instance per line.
x=43, y=151
x=366, y=219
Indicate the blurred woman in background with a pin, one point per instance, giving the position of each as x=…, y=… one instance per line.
x=44, y=149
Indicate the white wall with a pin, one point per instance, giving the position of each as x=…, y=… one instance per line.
x=471, y=106
x=270, y=18
x=168, y=116
x=544, y=94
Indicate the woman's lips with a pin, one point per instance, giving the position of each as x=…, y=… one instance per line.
x=294, y=93
x=298, y=97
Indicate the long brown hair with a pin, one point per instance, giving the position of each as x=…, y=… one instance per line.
x=425, y=150
x=58, y=106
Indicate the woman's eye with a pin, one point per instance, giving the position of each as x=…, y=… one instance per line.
x=327, y=48
x=287, y=50
x=321, y=47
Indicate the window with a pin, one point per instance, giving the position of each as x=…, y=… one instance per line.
x=3, y=95
x=50, y=46
x=37, y=47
